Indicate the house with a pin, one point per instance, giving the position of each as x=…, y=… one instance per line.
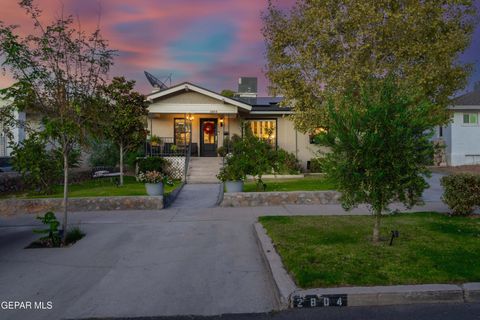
x=18, y=132
x=187, y=113
x=462, y=135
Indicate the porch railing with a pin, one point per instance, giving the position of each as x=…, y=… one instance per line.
x=166, y=147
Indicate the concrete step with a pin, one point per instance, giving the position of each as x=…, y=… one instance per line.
x=203, y=170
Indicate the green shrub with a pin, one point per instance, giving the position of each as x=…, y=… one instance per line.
x=152, y=164
x=73, y=235
x=52, y=236
x=286, y=162
x=316, y=165
x=104, y=153
x=222, y=151
x=40, y=168
x=461, y=193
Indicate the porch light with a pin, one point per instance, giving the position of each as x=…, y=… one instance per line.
x=190, y=117
x=221, y=122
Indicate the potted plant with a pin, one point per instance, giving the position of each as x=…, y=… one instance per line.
x=155, y=141
x=232, y=175
x=154, y=181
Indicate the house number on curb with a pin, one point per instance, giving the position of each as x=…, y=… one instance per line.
x=314, y=301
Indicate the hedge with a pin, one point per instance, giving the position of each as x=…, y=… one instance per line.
x=461, y=193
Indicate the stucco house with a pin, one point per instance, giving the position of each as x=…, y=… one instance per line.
x=462, y=135
x=187, y=113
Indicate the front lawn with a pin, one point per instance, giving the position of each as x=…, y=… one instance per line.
x=309, y=183
x=331, y=251
x=104, y=187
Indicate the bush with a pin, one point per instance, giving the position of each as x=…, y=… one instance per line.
x=316, y=165
x=222, y=151
x=104, y=153
x=40, y=168
x=73, y=235
x=52, y=236
x=286, y=162
x=461, y=193
x=152, y=164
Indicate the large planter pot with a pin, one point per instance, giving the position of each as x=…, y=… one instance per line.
x=234, y=186
x=154, y=189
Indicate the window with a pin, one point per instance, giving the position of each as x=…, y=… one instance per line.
x=182, y=132
x=470, y=119
x=265, y=129
x=440, y=131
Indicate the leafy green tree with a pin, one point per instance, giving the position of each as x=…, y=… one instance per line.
x=334, y=43
x=228, y=93
x=103, y=153
x=125, y=113
x=58, y=71
x=39, y=167
x=379, y=146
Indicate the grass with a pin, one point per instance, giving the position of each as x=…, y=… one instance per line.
x=100, y=188
x=309, y=183
x=332, y=251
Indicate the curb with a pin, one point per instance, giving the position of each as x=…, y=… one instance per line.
x=167, y=201
x=289, y=295
x=283, y=283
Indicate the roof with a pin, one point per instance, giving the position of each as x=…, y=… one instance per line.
x=468, y=100
x=265, y=104
x=195, y=88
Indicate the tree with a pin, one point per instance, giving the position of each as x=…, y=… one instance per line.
x=58, y=71
x=125, y=116
x=380, y=147
x=228, y=93
x=334, y=43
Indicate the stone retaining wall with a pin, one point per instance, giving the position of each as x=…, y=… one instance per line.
x=253, y=199
x=39, y=206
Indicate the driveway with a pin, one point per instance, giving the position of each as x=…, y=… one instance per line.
x=137, y=264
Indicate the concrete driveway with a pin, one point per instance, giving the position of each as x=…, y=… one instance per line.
x=137, y=264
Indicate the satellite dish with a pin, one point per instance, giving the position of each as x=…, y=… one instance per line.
x=157, y=83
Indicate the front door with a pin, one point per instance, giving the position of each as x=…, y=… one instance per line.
x=208, y=137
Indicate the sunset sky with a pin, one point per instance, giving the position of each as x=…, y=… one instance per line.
x=208, y=42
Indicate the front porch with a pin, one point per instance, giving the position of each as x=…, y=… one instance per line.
x=197, y=134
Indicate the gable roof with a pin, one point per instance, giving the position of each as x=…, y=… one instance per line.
x=186, y=86
x=469, y=99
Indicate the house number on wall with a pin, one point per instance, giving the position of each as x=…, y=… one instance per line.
x=314, y=301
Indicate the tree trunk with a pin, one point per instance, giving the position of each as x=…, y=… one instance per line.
x=376, y=227
x=65, y=195
x=121, y=164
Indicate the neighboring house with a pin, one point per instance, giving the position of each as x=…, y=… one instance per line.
x=18, y=133
x=188, y=113
x=462, y=135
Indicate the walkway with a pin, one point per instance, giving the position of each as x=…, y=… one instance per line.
x=198, y=196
